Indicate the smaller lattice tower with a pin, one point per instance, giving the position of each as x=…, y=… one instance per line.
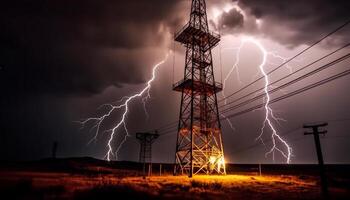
x=146, y=140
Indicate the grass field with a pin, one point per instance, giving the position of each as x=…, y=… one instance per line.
x=95, y=181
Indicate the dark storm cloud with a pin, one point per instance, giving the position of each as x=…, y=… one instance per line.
x=82, y=46
x=289, y=22
x=232, y=19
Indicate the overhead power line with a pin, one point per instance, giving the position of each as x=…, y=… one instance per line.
x=324, y=81
x=289, y=60
x=309, y=87
x=296, y=80
x=289, y=75
x=168, y=127
x=266, y=141
x=283, y=64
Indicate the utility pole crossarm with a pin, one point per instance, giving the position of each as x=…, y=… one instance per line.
x=320, y=133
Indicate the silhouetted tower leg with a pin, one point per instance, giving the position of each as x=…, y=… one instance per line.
x=199, y=147
x=146, y=140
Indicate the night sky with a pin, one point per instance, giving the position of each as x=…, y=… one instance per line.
x=61, y=59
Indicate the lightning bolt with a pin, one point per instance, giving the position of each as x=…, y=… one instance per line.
x=269, y=114
x=123, y=105
x=235, y=67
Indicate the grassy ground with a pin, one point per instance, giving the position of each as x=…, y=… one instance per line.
x=36, y=185
x=102, y=182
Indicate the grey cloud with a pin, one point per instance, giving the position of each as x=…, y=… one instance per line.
x=290, y=23
x=82, y=46
x=232, y=19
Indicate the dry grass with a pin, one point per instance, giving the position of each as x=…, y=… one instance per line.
x=86, y=178
x=227, y=187
x=37, y=185
x=91, y=179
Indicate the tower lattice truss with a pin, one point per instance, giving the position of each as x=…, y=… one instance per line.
x=199, y=147
x=146, y=140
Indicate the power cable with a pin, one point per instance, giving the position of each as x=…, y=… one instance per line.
x=289, y=60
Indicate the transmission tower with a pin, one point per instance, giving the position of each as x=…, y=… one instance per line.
x=199, y=147
x=146, y=140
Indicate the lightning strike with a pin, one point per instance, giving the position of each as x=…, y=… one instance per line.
x=144, y=102
x=122, y=104
x=234, y=67
x=269, y=114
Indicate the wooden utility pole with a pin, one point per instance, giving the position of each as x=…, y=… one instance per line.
x=316, y=132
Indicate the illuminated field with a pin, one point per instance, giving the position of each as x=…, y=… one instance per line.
x=66, y=185
x=98, y=180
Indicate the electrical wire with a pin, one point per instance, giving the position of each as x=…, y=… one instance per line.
x=296, y=80
x=289, y=60
x=311, y=86
x=289, y=75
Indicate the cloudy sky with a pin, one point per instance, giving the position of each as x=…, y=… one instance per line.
x=60, y=60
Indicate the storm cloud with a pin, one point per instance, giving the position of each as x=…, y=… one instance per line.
x=290, y=23
x=231, y=19
x=60, y=60
x=82, y=47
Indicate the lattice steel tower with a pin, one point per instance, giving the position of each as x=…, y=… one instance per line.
x=146, y=140
x=199, y=147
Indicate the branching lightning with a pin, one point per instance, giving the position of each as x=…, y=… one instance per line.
x=123, y=105
x=269, y=115
x=235, y=67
